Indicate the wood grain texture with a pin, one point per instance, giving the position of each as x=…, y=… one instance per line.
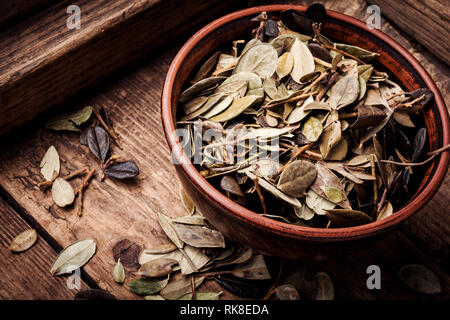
x=116, y=210
x=42, y=62
x=26, y=275
x=13, y=11
x=427, y=21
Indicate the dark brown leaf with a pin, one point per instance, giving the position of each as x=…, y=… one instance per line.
x=128, y=252
x=98, y=142
x=368, y=116
x=271, y=28
x=123, y=170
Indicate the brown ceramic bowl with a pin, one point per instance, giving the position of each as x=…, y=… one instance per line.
x=270, y=236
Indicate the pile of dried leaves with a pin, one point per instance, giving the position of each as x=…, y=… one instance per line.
x=305, y=130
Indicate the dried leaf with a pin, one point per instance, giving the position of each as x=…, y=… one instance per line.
x=228, y=184
x=312, y=129
x=118, y=272
x=128, y=252
x=192, y=220
x=253, y=269
x=163, y=248
x=403, y=118
x=73, y=257
x=154, y=297
x=297, y=177
x=330, y=138
x=198, y=87
x=326, y=178
x=318, y=204
x=62, y=192
x=207, y=68
x=285, y=65
x=70, y=122
x=271, y=28
x=236, y=108
x=200, y=237
x=286, y=292
x=325, y=288
x=98, y=142
x=50, y=164
x=169, y=229
x=261, y=59
x=23, y=241
x=187, y=201
x=358, y=52
x=419, y=144
x=387, y=211
x=420, y=278
x=274, y=190
x=333, y=194
x=299, y=113
x=368, y=116
x=304, y=212
x=176, y=289
x=145, y=287
x=122, y=170
x=341, y=218
x=148, y=255
x=198, y=258
x=344, y=92
x=157, y=267
x=303, y=60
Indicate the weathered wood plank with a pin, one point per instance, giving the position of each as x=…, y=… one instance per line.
x=26, y=275
x=426, y=21
x=13, y=11
x=43, y=62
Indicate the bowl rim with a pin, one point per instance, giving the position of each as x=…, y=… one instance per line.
x=278, y=227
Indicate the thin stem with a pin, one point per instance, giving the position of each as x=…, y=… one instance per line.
x=410, y=164
x=46, y=184
x=272, y=288
x=110, y=130
x=261, y=196
x=80, y=190
x=342, y=52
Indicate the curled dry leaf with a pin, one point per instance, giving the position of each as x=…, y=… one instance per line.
x=387, y=211
x=228, y=184
x=157, y=268
x=420, y=278
x=73, y=257
x=297, y=177
x=200, y=237
x=23, y=241
x=197, y=257
x=122, y=170
x=325, y=288
x=98, y=142
x=50, y=164
x=317, y=203
x=62, y=192
x=285, y=65
x=160, y=249
x=118, y=272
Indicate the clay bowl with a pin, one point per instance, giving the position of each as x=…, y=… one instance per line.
x=273, y=237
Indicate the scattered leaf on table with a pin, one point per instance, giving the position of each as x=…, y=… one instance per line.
x=157, y=268
x=145, y=287
x=179, y=288
x=50, y=164
x=98, y=142
x=169, y=229
x=70, y=122
x=122, y=170
x=62, y=192
x=23, y=241
x=147, y=255
x=128, y=252
x=198, y=258
x=193, y=220
x=118, y=272
x=73, y=257
x=154, y=297
x=199, y=236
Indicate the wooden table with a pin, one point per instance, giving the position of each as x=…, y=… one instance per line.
x=117, y=210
